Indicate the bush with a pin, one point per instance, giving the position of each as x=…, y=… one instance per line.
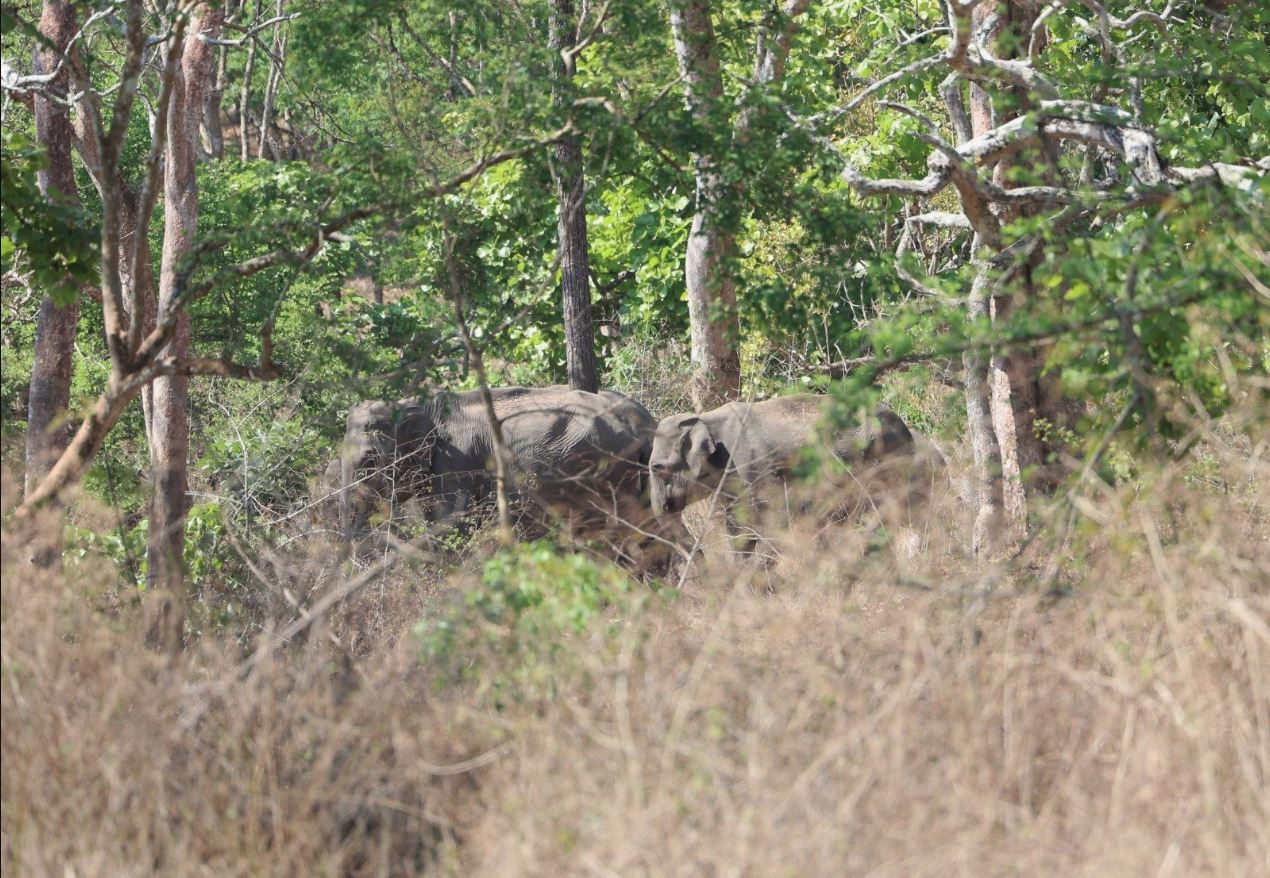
x=527, y=604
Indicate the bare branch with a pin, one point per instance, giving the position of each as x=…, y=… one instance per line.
x=502, y=457
x=861, y=97
x=968, y=55
x=941, y=218
x=570, y=53
x=247, y=32
x=456, y=76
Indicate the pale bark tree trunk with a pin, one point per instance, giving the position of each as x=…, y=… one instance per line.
x=276, y=62
x=1012, y=376
x=136, y=279
x=712, y=312
x=983, y=438
x=48, y=432
x=708, y=271
x=171, y=432
x=244, y=92
x=575, y=270
x=987, y=529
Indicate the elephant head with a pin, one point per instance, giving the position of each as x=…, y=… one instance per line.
x=386, y=457
x=685, y=465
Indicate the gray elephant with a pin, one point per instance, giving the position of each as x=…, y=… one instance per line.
x=577, y=458
x=742, y=448
x=325, y=507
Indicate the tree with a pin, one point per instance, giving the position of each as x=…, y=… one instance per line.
x=575, y=263
x=1022, y=167
x=48, y=433
x=244, y=94
x=148, y=343
x=193, y=71
x=148, y=348
x=277, y=59
x=708, y=272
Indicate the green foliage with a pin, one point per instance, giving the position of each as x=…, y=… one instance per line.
x=1148, y=308
x=125, y=546
x=57, y=243
x=531, y=602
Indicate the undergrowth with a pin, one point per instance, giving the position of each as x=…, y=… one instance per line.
x=1098, y=704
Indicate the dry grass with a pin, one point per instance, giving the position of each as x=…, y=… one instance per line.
x=1099, y=708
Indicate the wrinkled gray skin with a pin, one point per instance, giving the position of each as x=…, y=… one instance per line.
x=753, y=444
x=578, y=457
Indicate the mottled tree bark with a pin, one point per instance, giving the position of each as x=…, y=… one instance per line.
x=711, y=287
x=986, y=451
x=708, y=272
x=170, y=434
x=213, y=134
x=571, y=225
x=48, y=432
x=136, y=276
x=1013, y=376
x=983, y=438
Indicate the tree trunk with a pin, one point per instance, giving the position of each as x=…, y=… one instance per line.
x=1012, y=376
x=171, y=432
x=575, y=264
x=712, y=312
x=708, y=271
x=213, y=135
x=276, y=62
x=987, y=531
x=983, y=438
x=48, y=432
x=244, y=93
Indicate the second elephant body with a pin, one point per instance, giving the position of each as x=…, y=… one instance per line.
x=741, y=448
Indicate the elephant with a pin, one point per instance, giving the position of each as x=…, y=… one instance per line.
x=742, y=448
x=326, y=493
x=577, y=458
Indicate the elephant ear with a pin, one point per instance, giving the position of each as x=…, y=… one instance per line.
x=420, y=434
x=415, y=440
x=699, y=445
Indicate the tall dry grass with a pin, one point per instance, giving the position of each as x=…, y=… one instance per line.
x=1096, y=705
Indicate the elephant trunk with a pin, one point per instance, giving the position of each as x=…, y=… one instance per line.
x=658, y=497
x=359, y=484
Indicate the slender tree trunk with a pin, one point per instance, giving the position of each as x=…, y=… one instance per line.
x=1012, y=377
x=575, y=270
x=48, y=433
x=244, y=92
x=983, y=438
x=987, y=531
x=708, y=270
x=712, y=312
x=171, y=432
x=213, y=135
x=140, y=277
x=276, y=62
x=455, y=91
